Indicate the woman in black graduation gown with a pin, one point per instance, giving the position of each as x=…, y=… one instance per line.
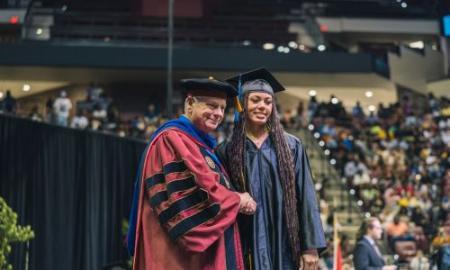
x=272, y=165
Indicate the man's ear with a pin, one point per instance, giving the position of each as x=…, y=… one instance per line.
x=188, y=105
x=190, y=100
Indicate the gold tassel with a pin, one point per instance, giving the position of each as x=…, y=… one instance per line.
x=238, y=105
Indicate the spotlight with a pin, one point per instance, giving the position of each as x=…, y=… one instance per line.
x=322, y=143
x=333, y=161
x=368, y=215
x=246, y=43
x=286, y=50
x=311, y=127
x=312, y=93
x=417, y=45
x=360, y=203
x=39, y=31
x=404, y=5
x=268, y=46
x=369, y=94
x=317, y=135
x=280, y=49
x=26, y=87
x=334, y=100
x=352, y=191
x=372, y=108
x=293, y=45
x=321, y=48
x=327, y=152
x=318, y=186
x=301, y=47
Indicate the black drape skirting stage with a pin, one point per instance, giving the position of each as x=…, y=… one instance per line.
x=73, y=187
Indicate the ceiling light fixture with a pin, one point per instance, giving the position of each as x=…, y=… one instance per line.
x=26, y=87
x=268, y=46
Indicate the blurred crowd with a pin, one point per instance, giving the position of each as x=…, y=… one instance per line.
x=96, y=112
x=99, y=112
x=396, y=162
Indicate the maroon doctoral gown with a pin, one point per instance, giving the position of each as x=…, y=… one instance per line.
x=186, y=216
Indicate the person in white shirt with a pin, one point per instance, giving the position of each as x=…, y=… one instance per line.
x=61, y=108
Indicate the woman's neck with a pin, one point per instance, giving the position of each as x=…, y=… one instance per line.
x=256, y=132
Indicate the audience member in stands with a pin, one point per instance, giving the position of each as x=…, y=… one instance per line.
x=112, y=120
x=151, y=115
x=300, y=119
x=312, y=108
x=138, y=127
x=61, y=109
x=94, y=92
x=35, y=115
x=367, y=255
x=358, y=111
x=397, y=230
x=419, y=262
x=80, y=120
x=272, y=165
x=9, y=103
x=442, y=238
x=287, y=119
x=49, y=115
x=356, y=171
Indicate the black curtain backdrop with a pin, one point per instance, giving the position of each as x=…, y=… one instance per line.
x=73, y=187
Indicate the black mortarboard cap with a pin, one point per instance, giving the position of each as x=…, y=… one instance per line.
x=257, y=80
x=209, y=85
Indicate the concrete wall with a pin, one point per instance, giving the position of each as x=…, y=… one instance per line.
x=403, y=26
x=413, y=69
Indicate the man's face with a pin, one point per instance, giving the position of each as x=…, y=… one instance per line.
x=376, y=230
x=206, y=113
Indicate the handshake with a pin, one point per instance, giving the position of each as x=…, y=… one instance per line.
x=247, y=205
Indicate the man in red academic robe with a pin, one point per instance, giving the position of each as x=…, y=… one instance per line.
x=184, y=211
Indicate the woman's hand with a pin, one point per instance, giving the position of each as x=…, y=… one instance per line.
x=247, y=204
x=309, y=261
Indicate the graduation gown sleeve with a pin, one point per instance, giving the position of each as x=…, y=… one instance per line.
x=311, y=231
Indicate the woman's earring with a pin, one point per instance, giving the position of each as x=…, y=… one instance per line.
x=268, y=126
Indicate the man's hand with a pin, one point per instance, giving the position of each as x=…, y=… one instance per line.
x=309, y=261
x=247, y=205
